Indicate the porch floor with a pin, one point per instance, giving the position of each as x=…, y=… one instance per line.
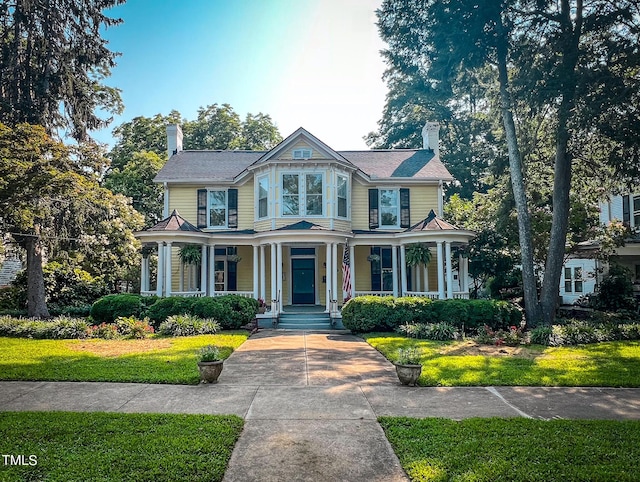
x=303, y=308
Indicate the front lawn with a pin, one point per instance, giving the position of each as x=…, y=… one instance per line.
x=151, y=360
x=464, y=363
x=515, y=449
x=62, y=446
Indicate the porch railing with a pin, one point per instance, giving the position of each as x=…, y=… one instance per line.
x=200, y=294
x=434, y=295
x=373, y=293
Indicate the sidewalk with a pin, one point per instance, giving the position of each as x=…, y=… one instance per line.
x=310, y=404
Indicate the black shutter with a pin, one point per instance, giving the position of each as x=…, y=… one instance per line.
x=233, y=208
x=202, y=208
x=405, y=216
x=374, y=217
x=376, y=284
x=626, y=210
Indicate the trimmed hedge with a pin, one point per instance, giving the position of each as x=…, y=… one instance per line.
x=230, y=311
x=374, y=313
x=111, y=307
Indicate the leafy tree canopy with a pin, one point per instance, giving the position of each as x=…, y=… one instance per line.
x=53, y=62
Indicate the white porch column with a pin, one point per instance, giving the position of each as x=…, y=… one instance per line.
x=465, y=264
x=274, y=284
x=440, y=271
x=160, y=275
x=279, y=271
x=426, y=277
x=256, y=267
x=144, y=274
x=447, y=253
x=328, y=277
x=167, y=286
x=403, y=269
x=334, y=270
x=203, y=268
x=212, y=270
x=352, y=260
x=394, y=267
x=263, y=274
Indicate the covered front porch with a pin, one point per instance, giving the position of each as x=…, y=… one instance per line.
x=303, y=265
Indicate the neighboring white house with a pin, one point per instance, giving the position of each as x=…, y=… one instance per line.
x=581, y=273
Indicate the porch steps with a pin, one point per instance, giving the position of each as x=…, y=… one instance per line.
x=305, y=321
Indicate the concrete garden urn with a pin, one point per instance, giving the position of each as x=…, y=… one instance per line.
x=210, y=371
x=408, y=374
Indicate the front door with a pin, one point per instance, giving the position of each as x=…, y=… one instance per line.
x=303, y=281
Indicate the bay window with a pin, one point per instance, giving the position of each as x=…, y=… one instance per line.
x=302, y=195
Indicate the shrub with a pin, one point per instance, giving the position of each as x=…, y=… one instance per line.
x=163, y=308
x=131, y=327
x=187, y=325
x=575, y=332
x=57, y=328
x=372, y=313
x=368, y=313
x=110, y=307
x=540, y=335
x=429, y=331
x=616, y=290
x=107, y=331
x=231, y=311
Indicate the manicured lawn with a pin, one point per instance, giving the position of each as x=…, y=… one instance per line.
x=154, y=360
x=515, y=449
x=610, y=364
x=104, y=446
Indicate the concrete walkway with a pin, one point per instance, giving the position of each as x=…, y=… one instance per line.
x=310, y=404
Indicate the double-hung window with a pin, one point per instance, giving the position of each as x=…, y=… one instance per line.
x=343, y=182
x=263, y=196
x=573, y=280
x=389, y=208
x=302, y=194
x=217, y=209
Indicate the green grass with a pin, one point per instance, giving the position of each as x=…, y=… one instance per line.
x=153, y=360
x=610, y=364
x=515, y=449
x=103, y=446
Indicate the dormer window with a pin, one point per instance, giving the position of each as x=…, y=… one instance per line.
x=301, y=153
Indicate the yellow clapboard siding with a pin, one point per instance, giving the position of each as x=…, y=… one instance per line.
x=246, y=206
x=185, y=200
x=422, y=200
x=245, y=268
x=362, y=268
x=263, y=225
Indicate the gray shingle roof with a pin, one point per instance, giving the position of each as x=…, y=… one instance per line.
x=432, y=223
x=212, y=166
x=174, y=222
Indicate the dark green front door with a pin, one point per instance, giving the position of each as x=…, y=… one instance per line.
x=303, y=281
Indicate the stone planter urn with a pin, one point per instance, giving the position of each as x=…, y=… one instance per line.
x=408, y=374
x=210, y=371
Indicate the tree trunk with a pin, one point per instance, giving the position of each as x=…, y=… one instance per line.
x=36, y=295
x=562, y=168
x=533, y=313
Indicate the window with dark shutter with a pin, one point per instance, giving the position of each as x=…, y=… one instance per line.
x=626, y=211
x=374, y=221
x=233, y=208
x=202, y=208
x=405, y=216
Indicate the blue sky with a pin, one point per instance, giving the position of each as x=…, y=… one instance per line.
x=309, y=63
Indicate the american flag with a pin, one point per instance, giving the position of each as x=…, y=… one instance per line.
x=346, y=271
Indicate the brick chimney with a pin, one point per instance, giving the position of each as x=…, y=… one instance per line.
x=174, y=139
x=431, y=137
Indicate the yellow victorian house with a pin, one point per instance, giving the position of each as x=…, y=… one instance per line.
x=281, y=225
